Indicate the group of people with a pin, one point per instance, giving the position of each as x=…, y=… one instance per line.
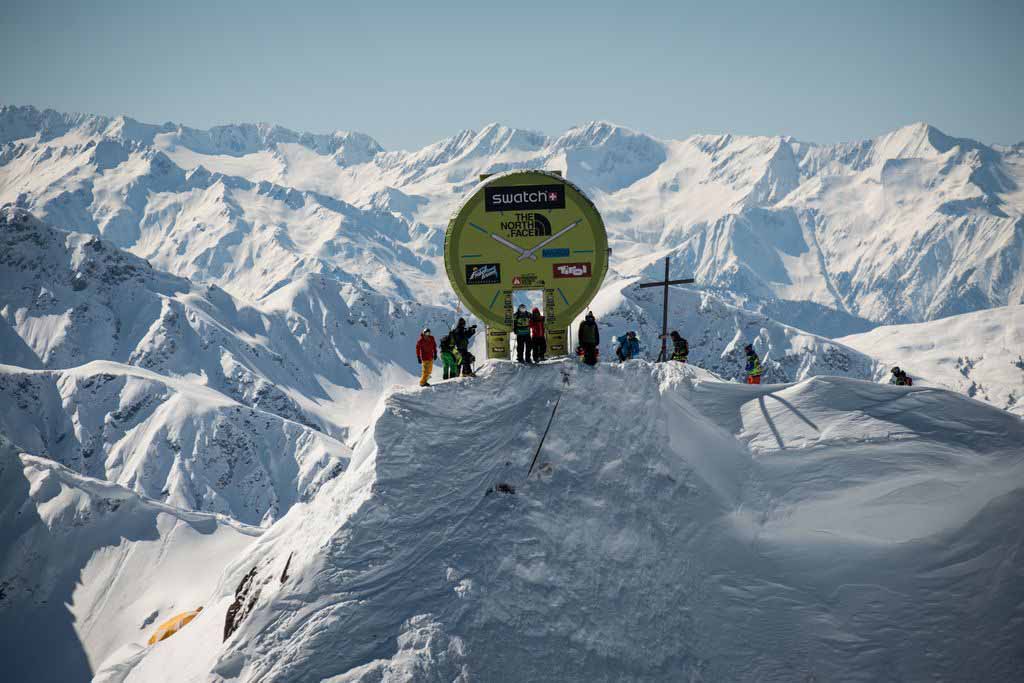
x=531, y=344
x=629, y=347
x=455, y=353
x=531, y=347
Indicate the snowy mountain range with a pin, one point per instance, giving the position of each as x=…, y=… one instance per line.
x=907, y=227
x=204, y=338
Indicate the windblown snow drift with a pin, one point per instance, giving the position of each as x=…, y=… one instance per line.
x=677, y=528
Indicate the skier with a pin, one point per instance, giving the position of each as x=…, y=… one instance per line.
x=538, y=343
x=449, y=356
x=753, y=366
x=461, y=335
x=521, y=327
x=680, y=347
x=426, y=354
x=629, y=347
x=900, y=378
x=590, y=338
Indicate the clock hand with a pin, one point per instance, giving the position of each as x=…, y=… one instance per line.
x=517, y=249
x=501, y=240
x=530, y=253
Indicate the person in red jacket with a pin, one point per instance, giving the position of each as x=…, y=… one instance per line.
x=426, y=354
x=538, y=344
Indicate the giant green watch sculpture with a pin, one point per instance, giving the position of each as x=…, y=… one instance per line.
x=526, y=230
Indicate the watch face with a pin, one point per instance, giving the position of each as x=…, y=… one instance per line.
x=526, y=230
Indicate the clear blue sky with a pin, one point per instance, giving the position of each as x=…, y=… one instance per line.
x=409, y=73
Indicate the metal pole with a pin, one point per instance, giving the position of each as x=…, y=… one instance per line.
x=664, y=319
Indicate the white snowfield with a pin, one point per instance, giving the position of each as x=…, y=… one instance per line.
x=677, y=527
x=980, y=354
x=88, y=568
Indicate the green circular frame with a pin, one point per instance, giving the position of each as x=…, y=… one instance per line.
x=582, y=206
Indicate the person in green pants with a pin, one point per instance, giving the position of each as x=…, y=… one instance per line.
x=449, y=356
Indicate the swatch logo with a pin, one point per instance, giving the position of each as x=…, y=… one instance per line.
x=524, y=198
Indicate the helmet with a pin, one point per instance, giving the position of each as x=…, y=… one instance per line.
x=590, y=315
x=674, y=334
x=462, y=322
x=896, y=370
x=631, y=333
x=426, y=330
x=749, y=348
x=522, y=307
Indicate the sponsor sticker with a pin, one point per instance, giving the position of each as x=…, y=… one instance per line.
x=524, y=198
x=526, y=224
x=483, y=274
x=527, y=280
x=555, y=253
x=561, y=270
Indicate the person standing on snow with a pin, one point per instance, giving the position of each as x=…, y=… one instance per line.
x=629, y=347
x=521, y=327
x=449, y=356
x=753, y=366
x=426, y=354
x=900, y=378
x=590, y=339
x=538, y=343
x=680, y=347
x=461, y=335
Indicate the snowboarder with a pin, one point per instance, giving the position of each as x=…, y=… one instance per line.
x=900, y=378
x=449, y=356
x=521, y=327
x=590, y=338
x=680, y=347
x=753, y=365
x=538, y=343
x=461, y=335
x=629, y=347
x=426, y=354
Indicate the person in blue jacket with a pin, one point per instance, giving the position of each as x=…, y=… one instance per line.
x=629, y=347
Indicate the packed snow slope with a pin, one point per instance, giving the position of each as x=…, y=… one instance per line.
x=676, y=527
x=910, y=226
x=980, y=354
x=88, y=567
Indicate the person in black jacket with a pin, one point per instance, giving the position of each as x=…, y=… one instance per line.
x=590, y=339
x=521, y=327
x=680, y=347
x=461, y=336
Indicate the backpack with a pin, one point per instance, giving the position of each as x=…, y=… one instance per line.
x=587, y=331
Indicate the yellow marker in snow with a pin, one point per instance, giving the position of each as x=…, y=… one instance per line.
x=173, y=625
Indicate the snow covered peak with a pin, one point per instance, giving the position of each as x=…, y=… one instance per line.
x=605, y=156
x=241, y=139
x=917, y=140
x=668, y=517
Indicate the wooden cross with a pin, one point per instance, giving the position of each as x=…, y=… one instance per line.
x=663, y=356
